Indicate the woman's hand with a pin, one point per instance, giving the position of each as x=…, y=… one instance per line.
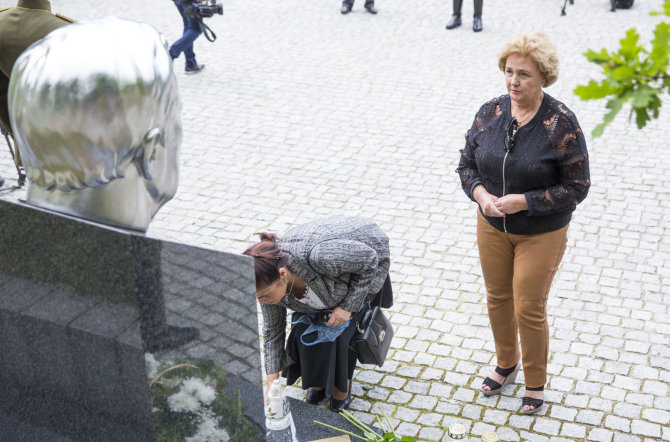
x=512, y=203
x=338, y=317
x=269, y=379
x=487, y=202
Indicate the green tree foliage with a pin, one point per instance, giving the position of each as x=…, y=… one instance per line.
x=632, y=73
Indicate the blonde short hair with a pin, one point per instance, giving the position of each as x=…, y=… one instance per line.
x=537, y=46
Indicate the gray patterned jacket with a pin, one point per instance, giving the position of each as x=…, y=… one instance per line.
x=342, y=259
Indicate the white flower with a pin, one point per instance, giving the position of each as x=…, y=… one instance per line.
x=191, y=385
x=196, y=387
x=208, y=431
x=182, y=401
x=206, y=394
x=152, y=365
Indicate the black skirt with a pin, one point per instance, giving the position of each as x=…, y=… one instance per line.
x=327, y=364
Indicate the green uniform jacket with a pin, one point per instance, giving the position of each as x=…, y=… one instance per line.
x=20, y=27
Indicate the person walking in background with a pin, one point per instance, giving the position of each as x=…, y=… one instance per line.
x=348, y=4
x=456, y=16
x=526, y=165
x=20, y=27
x=327, y=272
x=192, y=31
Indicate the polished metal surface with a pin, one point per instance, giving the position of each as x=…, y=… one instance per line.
x=95, y=108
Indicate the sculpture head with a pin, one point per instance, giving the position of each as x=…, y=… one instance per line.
x=95, y=108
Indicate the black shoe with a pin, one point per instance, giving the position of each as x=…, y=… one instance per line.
x=346, y=8
x=337, y=405
x=371, y=8
x=2, y=181
x=315, y=396
x=477, y=24
x=194, y=69
x=454, y=22
x=170, y=338
x=532, y=402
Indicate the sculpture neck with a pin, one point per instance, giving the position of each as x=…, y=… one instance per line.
x=121, y=203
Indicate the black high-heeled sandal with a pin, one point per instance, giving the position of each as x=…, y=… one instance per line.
x=532, y=402
x=495, y=387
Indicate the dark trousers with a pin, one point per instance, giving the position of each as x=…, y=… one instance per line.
x=351, y=2
x=191, y=32
x=479, y=4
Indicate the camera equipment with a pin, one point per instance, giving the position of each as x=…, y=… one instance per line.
x=204, y=9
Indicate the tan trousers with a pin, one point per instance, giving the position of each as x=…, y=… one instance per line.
x=518, y=270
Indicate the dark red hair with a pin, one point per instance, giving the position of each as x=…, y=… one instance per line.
x=268, y=258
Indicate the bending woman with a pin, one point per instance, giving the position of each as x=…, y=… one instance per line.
x=327, y=270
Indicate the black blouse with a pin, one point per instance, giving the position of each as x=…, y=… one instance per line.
x=548, y=163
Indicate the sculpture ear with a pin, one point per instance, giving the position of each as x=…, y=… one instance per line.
x=146, y=154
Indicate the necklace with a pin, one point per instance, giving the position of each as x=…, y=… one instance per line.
x=521, y=121
x=294, y=294
x=291, y=288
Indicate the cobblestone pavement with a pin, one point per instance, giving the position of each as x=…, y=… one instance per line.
x=302, y=112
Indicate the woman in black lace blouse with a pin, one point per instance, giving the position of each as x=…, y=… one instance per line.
x=525, y=163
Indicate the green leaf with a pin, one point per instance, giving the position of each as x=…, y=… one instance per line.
x=666, y=9
x=595, y=91
x=598, y=57
x=641, y=117
x=598, y=130
x=643, y=97
x=629, y=48
x=623, y=72
x=660, y=48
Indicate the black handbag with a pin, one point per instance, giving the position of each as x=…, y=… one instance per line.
x=373, y=338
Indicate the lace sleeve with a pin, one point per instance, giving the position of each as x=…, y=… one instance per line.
x=467, y=166
x=572, y=161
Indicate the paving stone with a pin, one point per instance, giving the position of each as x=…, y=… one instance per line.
x=573, y=430
x=617, y=423
x=407, y=429
x=393, y=382
x=590, y=388
x=399, y=397
x=619, y=437
x=520, y=422
x=430, y=419
x=600, y=404
x=423, y=402
x=642, y=399
x=659, y=416
x=406, y=414
x=447, y=408
x=546, y=426
x=591, y=417
x=463, y=395
x=563, y=413
x=645, y=428
x=431, y=374
x=497, y=417
x=600, y=435
x=532, y=437
x=614, y=394
x=656, y=388
x=431, y=433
